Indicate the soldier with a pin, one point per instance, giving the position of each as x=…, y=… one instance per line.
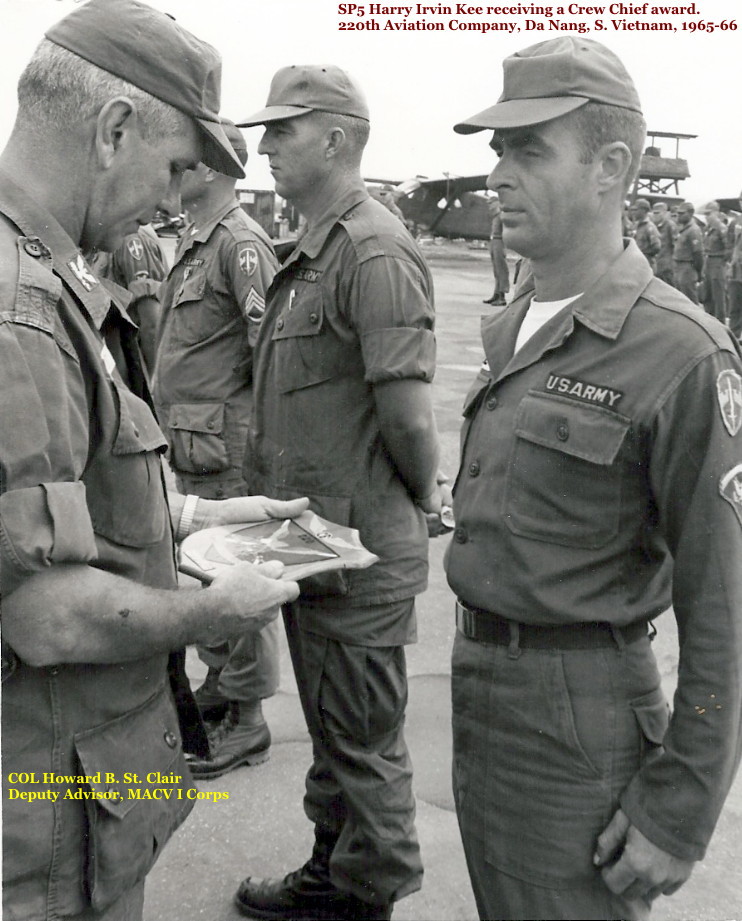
x=139, y=266
x=646, y=235
x=343, y=412
x=734, y=270
x=600, y=480
x=213, y=302
x=687, y=256
x=497, y=256
x=668, y=233
x=714, y=264
x=115, y=104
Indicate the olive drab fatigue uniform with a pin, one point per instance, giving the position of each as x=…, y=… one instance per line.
x=648, y=240
x=213, y=302
x=81, y=483
x=597, y=486
x=714, y=267
x=351, y=307
x=664, y=266
x=688, y=259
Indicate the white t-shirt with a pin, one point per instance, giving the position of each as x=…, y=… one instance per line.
x=539, y=312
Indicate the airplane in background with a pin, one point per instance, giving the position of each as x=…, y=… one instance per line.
x=456, y=206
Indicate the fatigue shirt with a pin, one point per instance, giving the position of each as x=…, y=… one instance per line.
x=689, y=245
x=668, y=233
x=351, y=308
x=714, y=239
x=213, y=302
x=734, y=240
x=606, y=449
x=647, y=239
x=138, y=264
x=81, y=483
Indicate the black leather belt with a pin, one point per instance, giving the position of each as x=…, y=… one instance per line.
x=486, y=627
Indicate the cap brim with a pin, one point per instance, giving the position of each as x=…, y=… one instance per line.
x=273, y=114
x=518, y=113
x=218, y=153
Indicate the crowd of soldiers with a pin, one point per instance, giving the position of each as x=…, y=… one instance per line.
x=701, y=258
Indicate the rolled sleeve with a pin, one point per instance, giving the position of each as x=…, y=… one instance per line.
x=399, y=353
x=391, y=307
x=42, y=525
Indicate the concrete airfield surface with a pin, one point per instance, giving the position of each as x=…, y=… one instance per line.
x=261, y=829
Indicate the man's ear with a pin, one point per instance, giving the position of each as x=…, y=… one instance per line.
x=115, y=122
x=334, y=141
x=209, y=175
x=614, y=166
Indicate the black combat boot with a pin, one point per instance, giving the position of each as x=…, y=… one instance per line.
x=306, y=894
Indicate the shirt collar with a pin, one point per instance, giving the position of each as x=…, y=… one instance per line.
x=68, y=262
x=314, y=238
x=604, y=307
x=194, y=234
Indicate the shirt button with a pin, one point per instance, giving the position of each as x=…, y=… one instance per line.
x=171, y=740
x=136, y=432
x=32, y=248
x=115, y=797
x=313, y=318
x=460, y=536
x=209, y=425
x=562, y=431
x=474, y=468
x=492, y=403
x=279, y=323
x=219, y=492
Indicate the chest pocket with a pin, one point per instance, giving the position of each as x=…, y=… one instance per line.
x=564, y=480
x=306, y=350
x=192, y=320
x=124, y=487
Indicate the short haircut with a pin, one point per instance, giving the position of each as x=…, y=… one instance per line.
x=58, y=89
x=598, y=124
x=356, y=129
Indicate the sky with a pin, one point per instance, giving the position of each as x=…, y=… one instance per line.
x=420, y=83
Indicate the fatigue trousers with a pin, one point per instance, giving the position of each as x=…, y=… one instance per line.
x=715, y=287
x=686, y=280
x=499, y=266
x=359, y=787
x=127, y=908
x=544, y=744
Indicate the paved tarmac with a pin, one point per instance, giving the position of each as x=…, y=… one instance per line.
x=261, y=829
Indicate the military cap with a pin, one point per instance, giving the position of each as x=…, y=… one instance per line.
x=302, y=88
x=150, y=50
x=553, y=78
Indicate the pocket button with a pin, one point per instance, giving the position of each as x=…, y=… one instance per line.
x=171, y=739
x=562, y=431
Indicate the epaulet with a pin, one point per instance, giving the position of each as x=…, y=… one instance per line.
x=664, y=296
x=374, y=230
x=29, y=289
x=245, y=229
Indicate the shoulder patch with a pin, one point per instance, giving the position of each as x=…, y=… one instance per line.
x=730, y=487
x=248, y=259
x=135, y=247
x=729, y=392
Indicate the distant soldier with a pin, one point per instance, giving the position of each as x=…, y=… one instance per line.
x=688, y=252
x=388, y=200
x=139, y=266
x=734, y=290
x=645, y=233
x=715, y=253
x=668, y=232
x=497, y=255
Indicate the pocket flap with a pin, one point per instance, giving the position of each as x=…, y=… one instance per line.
x=653, y=715
x=119, y=756
x=138, y=430
x=303, y=318
x=192, y=289
x=207, y=418
x=591, y=433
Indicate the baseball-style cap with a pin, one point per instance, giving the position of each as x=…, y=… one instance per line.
x=236, y=139
x=303, y=88
x=553, y=78
x=686, y=207
x=150, y=50
x=642, y=204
